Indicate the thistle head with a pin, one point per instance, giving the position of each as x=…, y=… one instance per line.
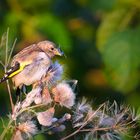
x=64, y=95
x=25, y=130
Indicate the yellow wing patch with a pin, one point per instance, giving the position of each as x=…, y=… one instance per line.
x=22, y=66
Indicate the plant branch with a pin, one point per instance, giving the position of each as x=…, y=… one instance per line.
x=10, y=95
x=5, y=130
x=11, y=51
x=5, y=69
x=78, y=130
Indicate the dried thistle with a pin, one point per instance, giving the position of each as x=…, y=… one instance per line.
x=45, y=118
x=108, y=122
x=32, y=97
x=25, y=130
x=37, y=112
x=63, y=94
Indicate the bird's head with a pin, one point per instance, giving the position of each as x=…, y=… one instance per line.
x=50, y=48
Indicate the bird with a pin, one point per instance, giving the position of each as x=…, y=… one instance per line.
x=30, y=64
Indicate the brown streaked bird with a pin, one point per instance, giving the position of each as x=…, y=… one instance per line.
x=31, y=64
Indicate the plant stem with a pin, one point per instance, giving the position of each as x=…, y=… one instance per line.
x=11, y=51
x=28, y=108
x=5, y=69
x=10, y=96
x=5, y=130
x=78, y=130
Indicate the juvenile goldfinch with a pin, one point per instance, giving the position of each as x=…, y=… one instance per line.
x=31, y=64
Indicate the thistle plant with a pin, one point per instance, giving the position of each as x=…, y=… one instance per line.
x=38, y=111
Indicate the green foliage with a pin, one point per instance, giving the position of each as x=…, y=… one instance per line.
x=102, y=5
x=55, y=28
x=40, y=137
x=99, y=37
x=121, y=57
x=3, y=123
x=117, y=20
x=118, y=42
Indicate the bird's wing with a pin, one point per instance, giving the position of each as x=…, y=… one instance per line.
x=9, y=72
x=25, y=57
x=29, y=58
x=19, y=63
x=25, y=53
x=17, y=68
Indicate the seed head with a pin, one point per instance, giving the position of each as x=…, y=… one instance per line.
x=64, y=95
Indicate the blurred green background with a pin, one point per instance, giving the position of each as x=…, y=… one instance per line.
x=100, y=38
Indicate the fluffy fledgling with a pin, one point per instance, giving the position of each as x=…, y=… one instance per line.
x=31, y=64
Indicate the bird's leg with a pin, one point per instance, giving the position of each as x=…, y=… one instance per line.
x=18, y=92
x=20, y=96
x=23, y=89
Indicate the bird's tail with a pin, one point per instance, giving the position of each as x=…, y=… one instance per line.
x=11, y=72
x=4, y=78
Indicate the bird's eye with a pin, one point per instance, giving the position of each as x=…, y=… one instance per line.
x=52, y=48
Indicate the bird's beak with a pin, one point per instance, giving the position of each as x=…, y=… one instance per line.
x=59, y=52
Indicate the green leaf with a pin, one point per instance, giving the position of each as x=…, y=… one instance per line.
x=40, y=137
x=102, y=5
x=117, y=20
x=121, y=56
x=54, y=28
